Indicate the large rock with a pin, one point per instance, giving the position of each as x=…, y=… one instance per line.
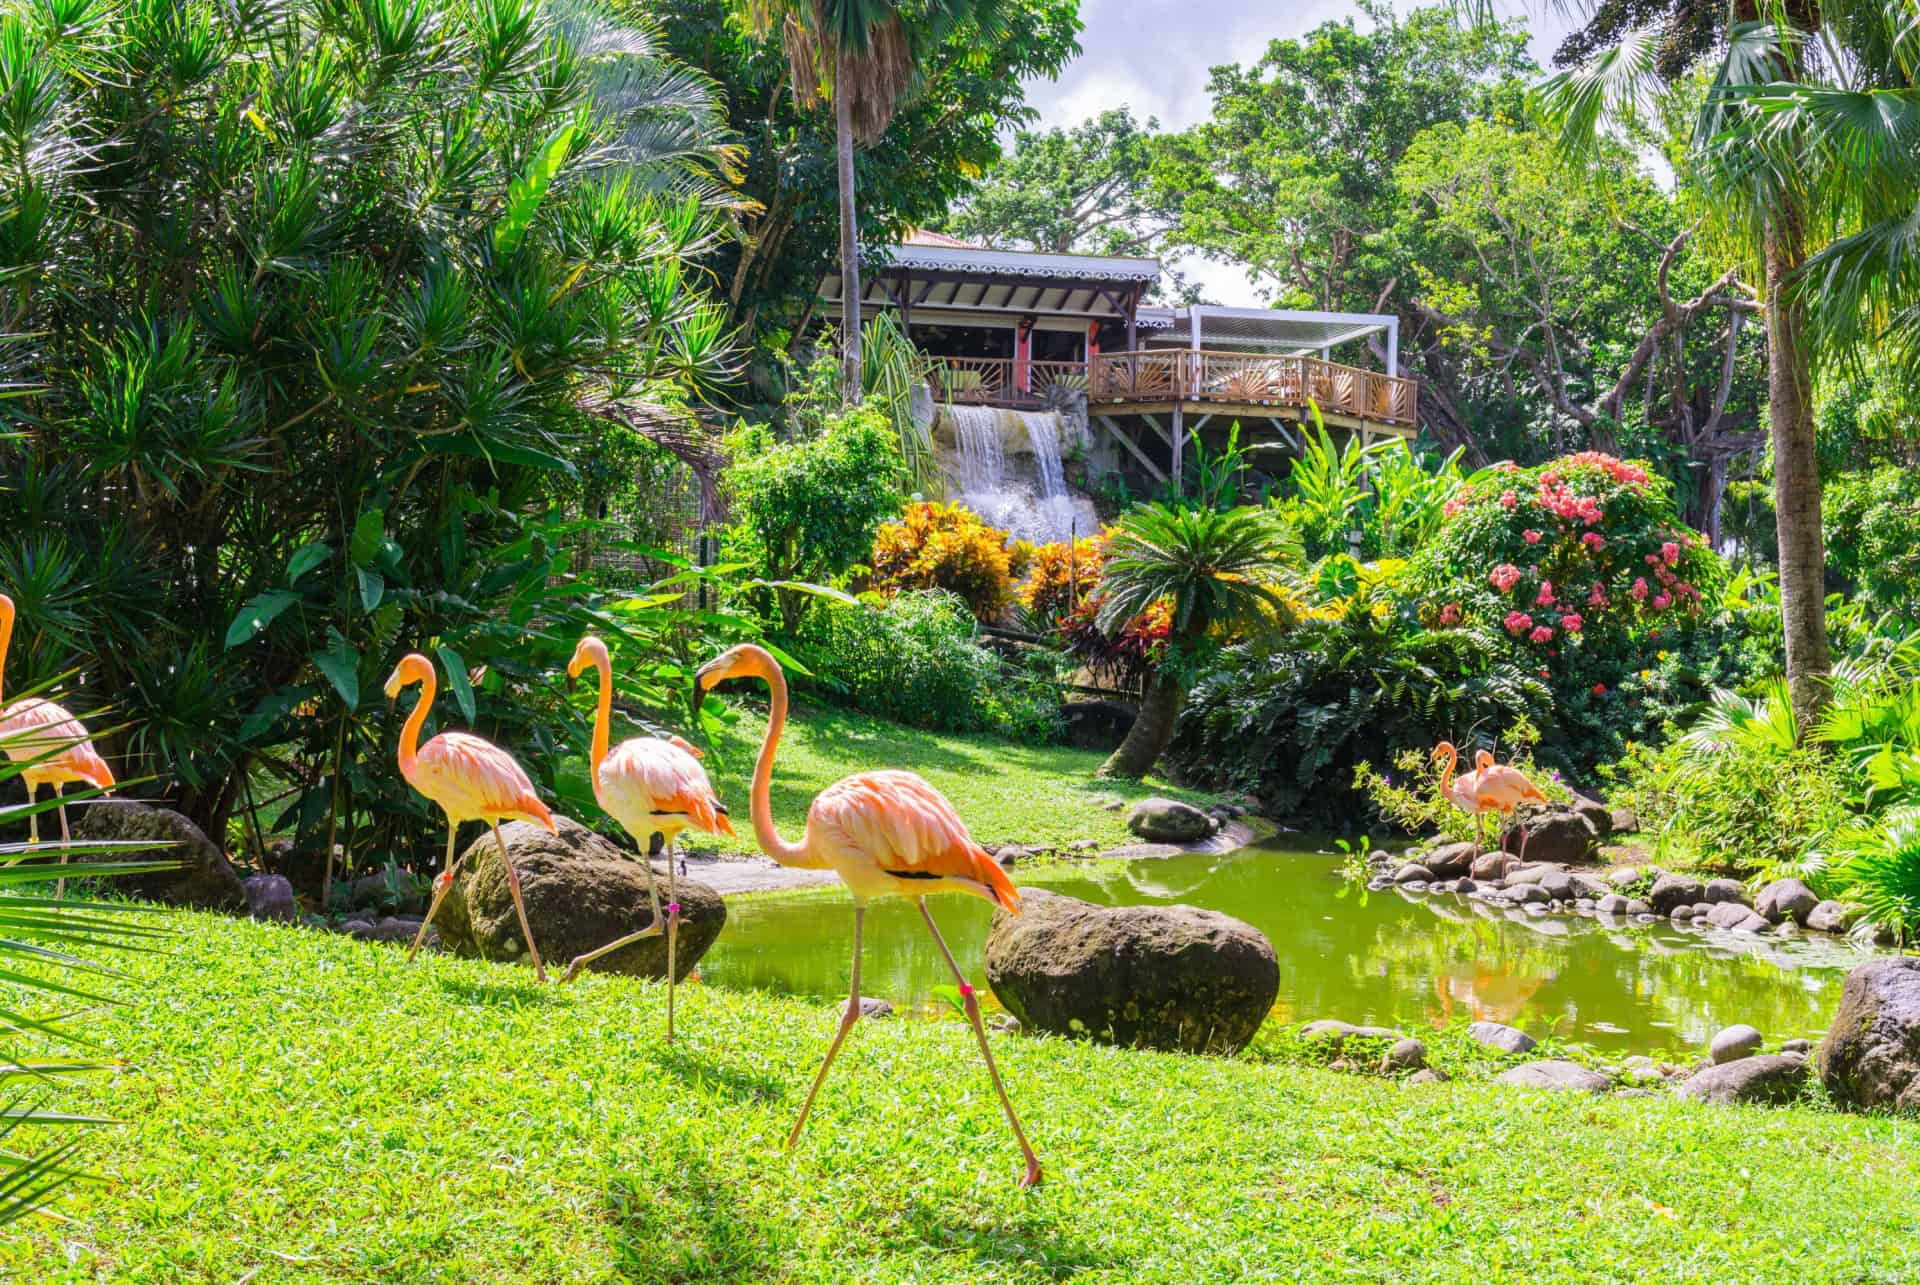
x=1496, y=1035
x=1159, y=820
x=1566, y=1077
x=1166, y=977
x=1670, y=891
x=1786, y=899
x=1449, y=860
x=1718, y=890
x=581, y=892
x=1870, y=1056
x=1489, y=866
x=270, y=897
x=1734, y=1043
x=1598, y=815
x=203, y=878
x=1411, y=873
x=1554, y=834
x=1833, y=917
x=1735, y=917
x=1771, y=1078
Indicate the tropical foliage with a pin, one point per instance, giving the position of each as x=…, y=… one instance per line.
x=945, y=546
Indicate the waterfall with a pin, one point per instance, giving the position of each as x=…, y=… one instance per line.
x=1038, y=508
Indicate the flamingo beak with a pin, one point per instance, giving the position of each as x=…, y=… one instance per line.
x=701, y=683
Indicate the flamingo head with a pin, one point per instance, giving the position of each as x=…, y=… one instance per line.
x=744, y=661
x=1444, y=750
x=413, y=668
x=591, y=651
x=6, y=612
x=1483, y=759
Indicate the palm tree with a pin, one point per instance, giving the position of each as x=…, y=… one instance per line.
x=862, y=56
x=1809, y=135
x=1219, y=568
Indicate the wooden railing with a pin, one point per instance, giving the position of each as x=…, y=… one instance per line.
x=1180, y=374
x=998, y=381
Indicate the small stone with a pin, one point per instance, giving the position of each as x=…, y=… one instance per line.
x=1771, y=1078
x=1412, y=873
x=1585, y=904
x=1753, y=923
x=1637, y=907
x=1007, y=1024
x=1565, y=1077
x=1831, y=917
x=1734, y=1043
x=1415, y=885
x=1429, y=1075
x=1011, y=855
x=1338, y=1033
x=1407, y=1055
x=270, y=897
x=1465, y=887
x=1590, y=887
x=1379, y=884
x=1673, y=890
x=1529, y=894
x=1611, y=904
x=1623, y=876
x=1084, y=845
x=1496, y=1035
x=1718, y=890
x=1680, y=914
x=1802, y=1047
x=1489, y=866
x=1786, y=899
x=1624, y=821
x=1533, y=872
x=1159, y=820
x=876, y=1008
x=1557, y=884
x=1449, y=858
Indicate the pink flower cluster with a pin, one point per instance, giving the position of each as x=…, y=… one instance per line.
x=1564, y=504
x=1622, y=472
x=1504, y=577
x=1571, y=622
x=1530, y=536
x=1594, y=540
x=1450, y=614
x=1518, y=622
x=1545, y=597
x=1540, y=634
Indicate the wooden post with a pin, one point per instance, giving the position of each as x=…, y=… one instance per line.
x=1179, y=445
x=1023, y=356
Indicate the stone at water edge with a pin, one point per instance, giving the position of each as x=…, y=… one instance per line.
x=1407, y=1055
x=1718, y=890
x=1489, y=866
x=581, y=893
x=1411, y=873
x=1734, y=1043
x=1870, y=1056
x=1448, y=860
x=1597, y=815
x=1159, y=820
x=1773, y=1079
x=1611, y=904
x=1566, y=1077
x=1588, y=886
x=203, y=879
x=1674, y=890
x=1555, y=835
x=1833, y=917
x=1167, y=977
x=1336, y=1033
x=873, y=1008
x=1623, y=876
x=1557, y=884
x=1496, y=1035
x=270, y=899
x=1785, y=899
x=1803, y=1047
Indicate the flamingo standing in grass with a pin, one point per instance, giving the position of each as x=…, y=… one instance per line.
x=1490, y=787
x=654, y=789
x=51, y=745
x=472, y=780
x=886, y=834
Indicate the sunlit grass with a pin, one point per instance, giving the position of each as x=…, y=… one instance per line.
x=302, y=1107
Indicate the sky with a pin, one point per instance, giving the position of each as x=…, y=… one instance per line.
x=1154, y=56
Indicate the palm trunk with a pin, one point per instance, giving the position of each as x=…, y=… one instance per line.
x=1796, y=474
x=850, y=365
x=1151, y=729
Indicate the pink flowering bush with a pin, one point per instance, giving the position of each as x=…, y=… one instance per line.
x=1592, y=572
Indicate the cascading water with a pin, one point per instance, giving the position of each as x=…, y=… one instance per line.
x=1039, y=507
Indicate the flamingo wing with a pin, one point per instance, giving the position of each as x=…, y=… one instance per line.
x=649, y=778
x=476, y=780
x=906, y=828
x=1510, y=785
x=53, y=744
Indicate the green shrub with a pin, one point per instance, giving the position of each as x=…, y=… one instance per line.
x=945, y=546
x=913, y=659
x=1873, y=534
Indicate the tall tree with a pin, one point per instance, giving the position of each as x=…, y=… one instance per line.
x=1088, y=189
x=861, y=57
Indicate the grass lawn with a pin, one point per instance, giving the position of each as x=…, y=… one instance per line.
x=1006, y=793
x=302, y=1107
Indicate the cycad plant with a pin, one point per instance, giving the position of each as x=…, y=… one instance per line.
x=1219, y=569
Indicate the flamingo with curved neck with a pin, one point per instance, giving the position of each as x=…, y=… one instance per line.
x=51, y=745
x=472, y=780
x=1490, y=787
x=886, y=834
x=655, y=789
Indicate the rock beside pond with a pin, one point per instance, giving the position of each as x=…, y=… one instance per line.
x=1734, y=1043
x=1566, y=1077
x=1670, y=891
x=1489, y=866
x=1167, y=977
x=1718, y=890
x=1406, y=1055
x=1870, y=1057
x=1412, y=873
x=1786, y=899
x=874, y=1008
x=581, y=893
x=1337, y=1033
x=1159, y=820
x=1496, y=1035
x=1734, y=917
x=1554, y=834
x=1770, y=1078
x=202, y=879
x=1449, y=860
x=1597, y=815
x=1803, y=1047
x=1611, y=904
x=1429, y=1075
x=1623, y=875
x=1833, y=917
x=270, y=898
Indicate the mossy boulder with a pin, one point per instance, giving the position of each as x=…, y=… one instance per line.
x=1870, y=1057
x=1163, y=977
x=201, y=876
x=581, y=893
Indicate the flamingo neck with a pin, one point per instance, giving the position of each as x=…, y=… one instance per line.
x=602, y=721
x=410, y=734
x=6, y=639
x=787, y=854
x=1446, y=773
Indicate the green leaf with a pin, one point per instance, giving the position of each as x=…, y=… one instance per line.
x=341, y=664
x=259, y=612
x=373, y=587
x=271, y=709
x=457, y=681
x=528, y=190
x=306, y=558
x=368, y=531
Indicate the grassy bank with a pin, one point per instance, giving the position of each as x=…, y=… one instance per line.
x=300, y=1107
x=1006, y=793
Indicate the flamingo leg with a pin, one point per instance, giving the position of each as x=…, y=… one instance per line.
x=972, y=1005
x=673, y=935
x=653, y=929
x=847, y=1019
x=440, y=886
x=66, y=841
x=33, y=821
x=519, y=904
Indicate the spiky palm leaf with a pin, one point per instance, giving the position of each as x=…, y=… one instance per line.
x=1218, y=567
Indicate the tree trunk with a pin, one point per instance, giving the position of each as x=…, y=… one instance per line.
x=850, y=365
x=1796, y=474
x=1151, y=729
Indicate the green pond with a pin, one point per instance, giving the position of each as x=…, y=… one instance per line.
x=1385, y=957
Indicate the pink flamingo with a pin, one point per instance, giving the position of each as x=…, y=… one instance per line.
x=52, y=746
x=472, y=780
x=1490, y=787
x=654, y=789
x=886, y=834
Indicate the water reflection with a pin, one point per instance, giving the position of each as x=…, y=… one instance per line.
x=1386, y=958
